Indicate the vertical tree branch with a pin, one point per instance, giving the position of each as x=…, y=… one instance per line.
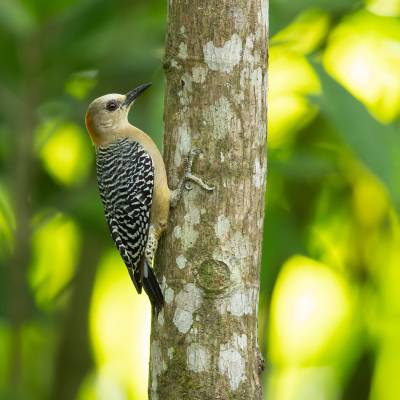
x=74, y=357
x=24, y=183
x=204, y=342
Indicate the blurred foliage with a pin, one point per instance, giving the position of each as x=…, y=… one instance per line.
x=121, y=364
x=363, y=55
x=66, y=154
x=330, y=298
x=55, y=238
x=7, y=222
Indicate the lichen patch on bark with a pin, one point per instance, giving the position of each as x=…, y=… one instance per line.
x=222, y=227
x=199, y=74
x=187, y=301
x=157, y=368
x=239, y=302
x=231, y=362
x=232, y=365
x=161, y=318
x=178, y=232
x=181, y=261
x=169, y=295
x=184, y=144
x=224, y=58
x=259, y=174
x=198, y=358
x=222, y=118
x=183, y=51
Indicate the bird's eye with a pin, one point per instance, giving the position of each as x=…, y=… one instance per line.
x=112, y=105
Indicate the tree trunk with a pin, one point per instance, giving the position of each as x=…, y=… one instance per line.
x=204, y=342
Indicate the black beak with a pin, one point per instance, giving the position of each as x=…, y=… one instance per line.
x=131, y=96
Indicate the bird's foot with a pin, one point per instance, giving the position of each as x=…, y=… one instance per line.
x=188, y=178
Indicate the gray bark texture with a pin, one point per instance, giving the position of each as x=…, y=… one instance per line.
x=204, y=341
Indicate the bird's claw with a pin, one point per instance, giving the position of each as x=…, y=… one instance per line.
x=188, y=186
x=189, y=160
x=195, y=152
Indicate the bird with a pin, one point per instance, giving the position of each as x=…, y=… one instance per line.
x=133, y=186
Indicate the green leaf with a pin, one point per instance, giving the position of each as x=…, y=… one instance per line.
x=284, y=11
x=7, y=221
x=81, y=83
x=375, y=144
x=15, y=17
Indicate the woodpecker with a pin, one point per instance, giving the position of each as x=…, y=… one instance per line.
x=133, y=186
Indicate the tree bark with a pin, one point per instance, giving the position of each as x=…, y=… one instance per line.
x=204, y=342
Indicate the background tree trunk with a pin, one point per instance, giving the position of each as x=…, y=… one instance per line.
x=204, y=342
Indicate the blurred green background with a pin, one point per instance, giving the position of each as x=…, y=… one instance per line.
x=71, y=324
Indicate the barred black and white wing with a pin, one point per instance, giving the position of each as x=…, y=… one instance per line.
x=125, y=176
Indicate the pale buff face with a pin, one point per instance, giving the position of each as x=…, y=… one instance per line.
x=106, y=116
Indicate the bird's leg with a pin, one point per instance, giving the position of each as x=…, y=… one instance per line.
x=187, y=178
x=151, y=247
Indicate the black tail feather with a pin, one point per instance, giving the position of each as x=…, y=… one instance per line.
x=153, y=290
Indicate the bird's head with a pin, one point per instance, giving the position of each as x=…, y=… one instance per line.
x=107, y=116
